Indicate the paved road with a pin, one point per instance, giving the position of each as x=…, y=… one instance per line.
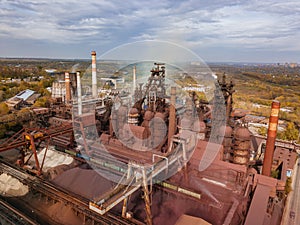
x=295, y=201
x=291, y=215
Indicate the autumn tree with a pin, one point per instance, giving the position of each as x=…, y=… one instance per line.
x=3, y=109
x=262, y=131
x=291, y=133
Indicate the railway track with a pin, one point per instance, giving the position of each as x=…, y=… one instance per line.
x=11, y=215
x=79, y=203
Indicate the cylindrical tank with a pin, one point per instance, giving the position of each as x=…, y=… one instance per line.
x=242, y=146
x=227, y=131
x=133, y=116
x=158, y=129
x=200, y=128
x=186, y=123
x=122, y=117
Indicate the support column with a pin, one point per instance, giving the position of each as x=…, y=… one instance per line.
x=147, y=199
x=172, y=116
x=79, y=95
x=124, y=209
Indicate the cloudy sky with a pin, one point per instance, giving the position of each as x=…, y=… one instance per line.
x=225, y=30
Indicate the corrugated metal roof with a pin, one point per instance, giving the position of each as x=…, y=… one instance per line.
x=25, y=94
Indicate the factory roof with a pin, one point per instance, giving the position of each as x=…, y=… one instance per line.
x=25, y=94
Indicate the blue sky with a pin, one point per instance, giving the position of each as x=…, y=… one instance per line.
x=240, y=31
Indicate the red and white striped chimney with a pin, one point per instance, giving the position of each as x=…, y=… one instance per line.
x=94, y=75
x=270, y=145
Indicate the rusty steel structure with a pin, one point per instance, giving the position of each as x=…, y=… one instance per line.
x=142, y=143
x=28, y=140
x=59, y=194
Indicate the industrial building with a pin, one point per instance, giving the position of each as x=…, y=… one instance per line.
x=154, y=161
x=27, y=97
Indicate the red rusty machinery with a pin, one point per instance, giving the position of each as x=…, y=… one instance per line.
x=29, y=139
x=271, y=138
x=241, y=147
x=82, y=123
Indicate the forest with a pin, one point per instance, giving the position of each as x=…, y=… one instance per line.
x=257, y=86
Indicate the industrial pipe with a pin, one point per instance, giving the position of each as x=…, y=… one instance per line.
x=172, y=116
x=68, y=88
x=79, y=95
x=94, y=75
x=271, y=138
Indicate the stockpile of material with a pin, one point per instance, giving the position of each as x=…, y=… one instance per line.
x=11, y=187
x=64, y=214
x=53, y=158
x=85, y=182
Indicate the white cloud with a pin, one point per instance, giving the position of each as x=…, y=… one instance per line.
x=272, y=25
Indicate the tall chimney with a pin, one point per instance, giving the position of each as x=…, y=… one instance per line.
x=79, y=101
x=270, y=145
x=172, y=114
x=94, y=75
x=68, y=88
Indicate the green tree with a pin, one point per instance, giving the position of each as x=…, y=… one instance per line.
x=262, y=131
x=288, y=185
x=42, y=102
x=1, y=95
x=2, y=131
x=3, y=109
x=291, y=133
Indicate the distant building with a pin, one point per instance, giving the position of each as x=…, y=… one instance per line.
x=58, y=90
x=26, y=97
x=113, y=81
x=293, y=65
x=31, y=100
x=14, y=103
x=25, y=94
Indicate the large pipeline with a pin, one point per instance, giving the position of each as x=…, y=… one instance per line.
x=172, y=116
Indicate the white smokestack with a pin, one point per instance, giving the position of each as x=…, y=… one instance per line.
x=94, y=75
x=79, y=93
